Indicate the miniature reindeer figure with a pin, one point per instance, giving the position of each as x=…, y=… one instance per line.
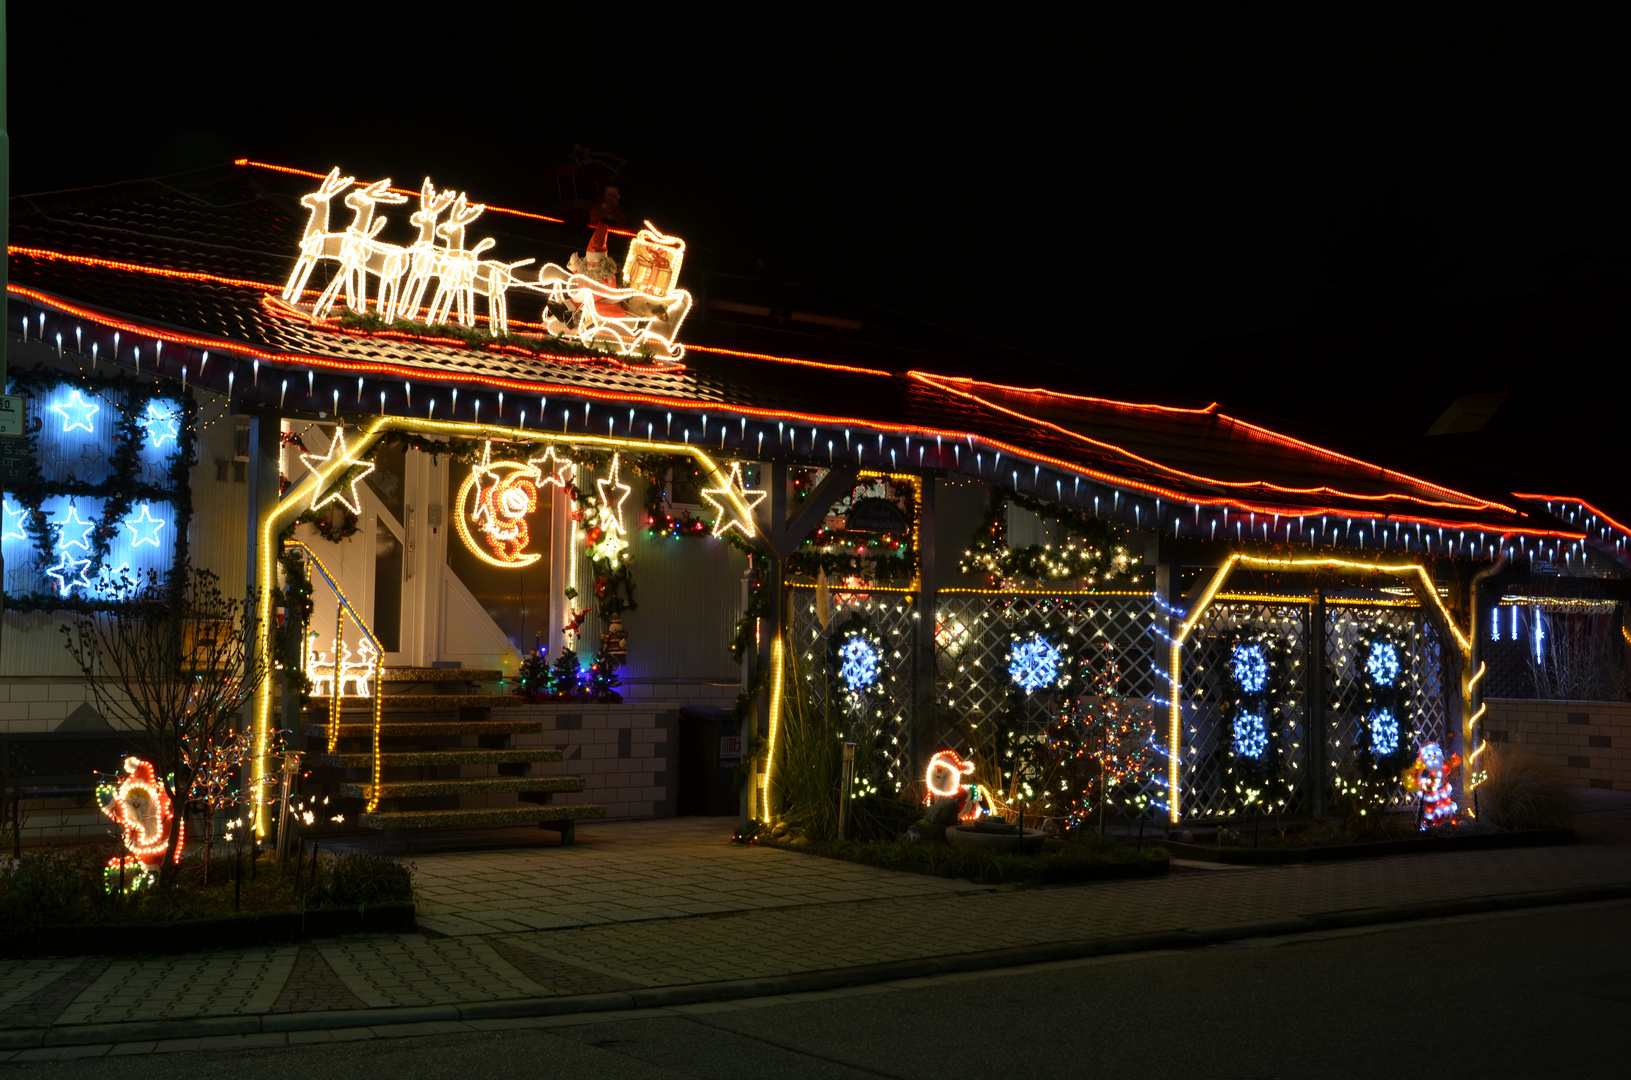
x=419, y=257
x=455, y=267
x=356, y=674
x=317, y=242
x=358, y=246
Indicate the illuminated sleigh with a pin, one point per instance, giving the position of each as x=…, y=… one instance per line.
x=644, y=317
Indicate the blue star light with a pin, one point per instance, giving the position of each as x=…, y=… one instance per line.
x=1034, y=663
x=76, y=412
x=857, y=663
x=12, y=526
x=160, y=424
x=1383, y=663
x=1250, y=668
x=74, y=531
x=69, y=573
x=1384, y=732
x=1251, y=735
x=145, y=527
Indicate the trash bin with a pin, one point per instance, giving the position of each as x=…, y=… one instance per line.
x=709, y=751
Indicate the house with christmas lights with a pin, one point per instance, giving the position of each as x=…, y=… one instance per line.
x=547, y=519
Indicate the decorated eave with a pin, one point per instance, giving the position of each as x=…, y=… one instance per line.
x=186, y=285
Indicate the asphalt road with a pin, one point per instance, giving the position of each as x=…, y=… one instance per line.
x=1532, y=994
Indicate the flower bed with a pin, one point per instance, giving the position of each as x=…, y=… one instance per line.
x=1079, y=859
x=56, y=903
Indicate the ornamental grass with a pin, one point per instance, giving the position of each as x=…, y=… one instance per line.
x=1522, y=790
x=65, y=886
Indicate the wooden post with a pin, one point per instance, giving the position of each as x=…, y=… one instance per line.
x=1316, y=736
x=265, y=439
x=924, y=715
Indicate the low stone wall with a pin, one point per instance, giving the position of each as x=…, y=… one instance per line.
x=1588, y=741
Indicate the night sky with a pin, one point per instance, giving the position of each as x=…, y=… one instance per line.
x=1127, y=189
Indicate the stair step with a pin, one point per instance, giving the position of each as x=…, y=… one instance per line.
x=421, y=702
x=442, y=674
x=479, y=818
x=482, y=785
x=438, y=757
x=432, y=727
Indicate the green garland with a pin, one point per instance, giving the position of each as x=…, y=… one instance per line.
x=881, y=559
x=1086, y=553
x=122, y=486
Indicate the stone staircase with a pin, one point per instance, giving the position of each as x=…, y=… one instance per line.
x=449, y=758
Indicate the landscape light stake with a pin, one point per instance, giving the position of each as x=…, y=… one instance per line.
x=237, y=880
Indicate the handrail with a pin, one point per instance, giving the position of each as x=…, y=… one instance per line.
x=343, y=605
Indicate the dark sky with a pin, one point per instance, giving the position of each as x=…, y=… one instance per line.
x=1128, y=188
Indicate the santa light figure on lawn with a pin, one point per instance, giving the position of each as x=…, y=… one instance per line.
x=140, y=806
x=1429, y=778
x=944, y=779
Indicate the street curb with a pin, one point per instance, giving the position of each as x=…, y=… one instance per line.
x=804, y=982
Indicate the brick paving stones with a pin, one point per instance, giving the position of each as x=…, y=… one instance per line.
x=668, y=903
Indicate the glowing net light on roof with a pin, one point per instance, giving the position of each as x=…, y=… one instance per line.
x=858, y=663
x=1251, y=738
x=1250, y=667
x=1383, y=663
x=1034, y=663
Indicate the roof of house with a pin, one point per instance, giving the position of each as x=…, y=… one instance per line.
x=196, y=260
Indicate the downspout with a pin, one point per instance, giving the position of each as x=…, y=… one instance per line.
x=1472, y=693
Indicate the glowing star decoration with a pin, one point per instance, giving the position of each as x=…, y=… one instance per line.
x=1383, y=663
x=12, y=517
x=858, y=666
x=337, y=456
x=76, y=412
x=1251, y=738
x=74, y=531
x=553, y=469
x=1384, y=732
x=944, y=780
x=161, y=424
x=139, y=805
x=1034, y=663
x=1429, y=778
x=612, y=509
x=70, y=573
x=144, y=527
x=496, y=498
x=1251, y=669
x=740, y=499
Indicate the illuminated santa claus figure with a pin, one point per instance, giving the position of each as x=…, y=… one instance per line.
x=1429, y=778
x=944, y=779
x=140, y=806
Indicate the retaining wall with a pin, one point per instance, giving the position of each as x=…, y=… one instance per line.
x=1588, y=741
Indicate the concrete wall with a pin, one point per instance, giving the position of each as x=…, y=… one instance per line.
x=1588, y=741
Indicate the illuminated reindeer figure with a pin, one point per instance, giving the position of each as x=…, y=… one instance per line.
x=455, y=267
x=317, y=242
x=420, y=257
x=359, y=247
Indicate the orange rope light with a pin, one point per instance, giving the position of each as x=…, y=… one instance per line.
x=1574, y=499
x=435, y=375
x=114, y=264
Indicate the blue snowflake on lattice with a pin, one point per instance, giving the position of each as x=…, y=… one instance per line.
x=1034, y=663
x=1383, y=663
x=1251, y=735
x=1384, y=732
x=1250, y=667
x=858, y=663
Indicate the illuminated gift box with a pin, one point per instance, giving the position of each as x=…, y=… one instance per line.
x=653, y=265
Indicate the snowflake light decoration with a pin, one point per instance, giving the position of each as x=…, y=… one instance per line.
x=1383, y=663
x=1251, y=669
x=1034, y=663
x=858, y=663
x=1251, y=735
x=1384, y=732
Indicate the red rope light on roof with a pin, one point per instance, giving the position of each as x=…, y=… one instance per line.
x=1573, y=499
x=1472, y=503
x=1041, y=392
x=657, y=401
x=406, y=191
x=114, y=264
